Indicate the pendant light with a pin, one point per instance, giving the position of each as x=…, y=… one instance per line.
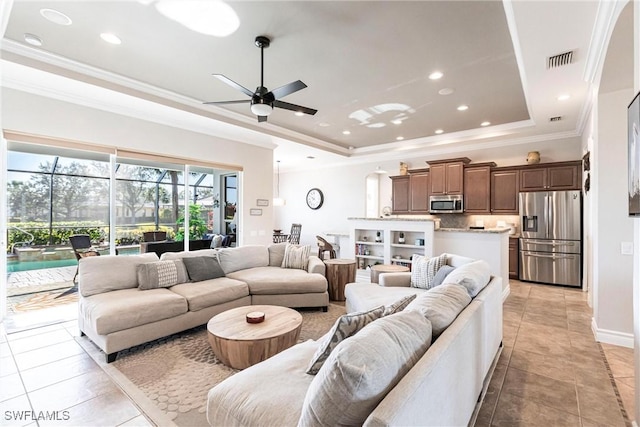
x=277, y=201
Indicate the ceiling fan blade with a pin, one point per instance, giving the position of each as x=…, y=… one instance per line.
x=233, y=84
x=287, y=89
x=294, y=107
x=243, y=101
x=262, y=119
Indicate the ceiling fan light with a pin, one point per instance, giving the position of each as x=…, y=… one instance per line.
x=213, y=18
x=261, y=109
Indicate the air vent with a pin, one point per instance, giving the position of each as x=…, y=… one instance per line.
x=560, y=60
x=555, y=119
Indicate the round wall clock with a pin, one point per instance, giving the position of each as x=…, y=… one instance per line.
x=315, y=198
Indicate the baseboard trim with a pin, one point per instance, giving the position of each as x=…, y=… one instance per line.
x=505, y=292
x=611, y=337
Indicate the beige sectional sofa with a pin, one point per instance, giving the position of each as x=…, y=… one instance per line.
x=116, y=314
x=396, y=381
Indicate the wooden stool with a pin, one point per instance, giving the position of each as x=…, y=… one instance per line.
x=339, y=273
x=385, y=268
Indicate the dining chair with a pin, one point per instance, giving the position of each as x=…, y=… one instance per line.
x=294, y=236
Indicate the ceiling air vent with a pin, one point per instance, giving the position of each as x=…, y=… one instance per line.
x=555, y=119
x=560, y=59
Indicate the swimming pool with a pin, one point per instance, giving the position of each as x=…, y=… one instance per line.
x=15, y=265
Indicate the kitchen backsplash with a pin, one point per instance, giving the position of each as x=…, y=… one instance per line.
x=488, y=221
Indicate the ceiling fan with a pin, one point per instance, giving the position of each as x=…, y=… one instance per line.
x=262, y=100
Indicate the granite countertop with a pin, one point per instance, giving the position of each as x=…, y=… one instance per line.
x=389, y=218
x=468, y=230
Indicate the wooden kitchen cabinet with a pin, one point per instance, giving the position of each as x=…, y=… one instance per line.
x=561, y=176
x=447, y=177
x=505, y=185
x=419, y=191
x=514, y=258
x=477, y=188
x=400, y=194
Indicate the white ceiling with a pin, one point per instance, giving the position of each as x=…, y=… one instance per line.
x=368, y=57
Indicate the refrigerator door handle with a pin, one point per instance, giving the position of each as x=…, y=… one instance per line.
x=547, y=214
x=548, y=243
x=550, y=256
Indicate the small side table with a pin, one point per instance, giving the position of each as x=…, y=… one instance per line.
x=386, y=268
x=339, y=273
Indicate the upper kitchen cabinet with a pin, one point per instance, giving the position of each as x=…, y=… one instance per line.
x=447, y=176
x=419, y=191
x=400, y=194
x=477, y=188
x=505, y=185
x=557, y=176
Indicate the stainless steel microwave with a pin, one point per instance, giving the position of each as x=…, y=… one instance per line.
x=445, y=204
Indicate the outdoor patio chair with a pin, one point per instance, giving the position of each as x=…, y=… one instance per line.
x=82, y=248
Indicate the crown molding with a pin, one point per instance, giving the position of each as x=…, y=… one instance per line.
x=5, y=12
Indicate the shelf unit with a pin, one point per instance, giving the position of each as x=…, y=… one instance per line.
x=389, y=250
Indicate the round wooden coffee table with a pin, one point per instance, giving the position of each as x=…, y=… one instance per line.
x=377, y=269
x=239, y=344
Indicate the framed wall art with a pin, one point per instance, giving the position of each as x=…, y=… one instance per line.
x=633, y=123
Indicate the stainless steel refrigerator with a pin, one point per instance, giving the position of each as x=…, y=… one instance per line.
x=551, y=241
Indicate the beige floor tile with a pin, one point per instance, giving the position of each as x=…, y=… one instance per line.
x=512, y=318
x=599, y=406
x=627, y=393
x=549, y=318
x=537, y=339
x=513, y=410
x=51, y=373
x=7, y=366
x=108, y=409
x=597, y=379
x=38, y=341
x=505, y=355
x=11, y=387
x=139, y=421
x=582, y=341
x=509, y=333
x=44, y=355
x=541, y=389
x=32, y=332
x=16, y=411
x=543, y=364
x=5, y=351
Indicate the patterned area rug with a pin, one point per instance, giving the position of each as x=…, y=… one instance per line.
x=174, y=374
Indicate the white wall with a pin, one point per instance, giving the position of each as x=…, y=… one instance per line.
x=24, y=112
x=613, y=277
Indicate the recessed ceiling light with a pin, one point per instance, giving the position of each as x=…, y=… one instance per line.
x=55, y=16
x=436, y=75
x=485, y=123
x=439, y=131
x=396, y=122
x=110, y=38
x=299, y=113
x=563, y=97
x=399, y=138
x=446, y=91
x=214, y=18
x=463, y=108
x=32, y=39
x=346, y=132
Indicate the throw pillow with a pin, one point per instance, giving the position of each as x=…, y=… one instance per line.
x=276, y=254
x=161, y=274
x=203, y=268
x=441, y=275
x=296, y=256
x=345, y=326
x=423, y=270
x=363, y=369
x=474, y=276
x=216, y=241
x=441, y=305
x=398, y=306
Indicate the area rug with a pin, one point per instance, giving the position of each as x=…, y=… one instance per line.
x=169, y=378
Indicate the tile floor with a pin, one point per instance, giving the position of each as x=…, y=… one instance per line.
x=551, y=371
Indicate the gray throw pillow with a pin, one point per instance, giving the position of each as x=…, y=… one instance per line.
x=346, y=326
x=441, y=305
x=423, y=270
x=203, y=268
x=442, y=274
x=161, y=274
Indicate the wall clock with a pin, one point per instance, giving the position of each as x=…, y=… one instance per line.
x=315, y=198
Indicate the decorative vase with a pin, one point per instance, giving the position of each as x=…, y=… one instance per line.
x=533, y=157
x=404, y=168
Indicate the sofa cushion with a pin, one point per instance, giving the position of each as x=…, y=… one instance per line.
x=344, y=327
x=441, y=305
x=212, y=292
x=365, y=296
x=243, y=257
x=270, y=393
x=161, y=274
x=203, y=268
x=441, y=275
x=127, y=308
x=424, y=269
x=276, y=254
x=363, y=369
x=398, y=306
x=188, y=254
x=296, y=256
x=280, y=281
x=474, y=276
x=110, y=272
